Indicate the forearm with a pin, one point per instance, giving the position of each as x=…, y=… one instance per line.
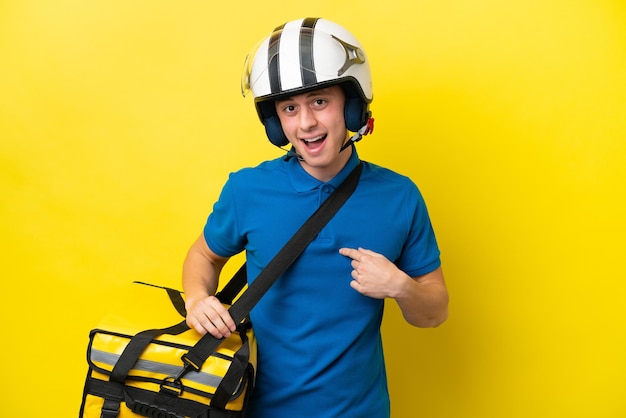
x=423, y=300
x=201, y=270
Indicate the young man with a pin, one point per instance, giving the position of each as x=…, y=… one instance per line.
x=318, y=327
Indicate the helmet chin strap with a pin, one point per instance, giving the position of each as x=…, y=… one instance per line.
x=291, y=153
x=365, y=129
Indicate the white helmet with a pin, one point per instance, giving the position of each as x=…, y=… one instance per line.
x=304, y=55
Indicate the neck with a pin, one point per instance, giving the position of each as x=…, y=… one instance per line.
x=328, y=172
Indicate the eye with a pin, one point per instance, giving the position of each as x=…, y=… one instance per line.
x=289, y=108
x=319, y=102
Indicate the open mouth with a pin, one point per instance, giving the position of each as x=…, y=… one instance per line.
x=314, y=142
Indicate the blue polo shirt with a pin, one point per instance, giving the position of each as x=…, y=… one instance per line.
x=319, y=343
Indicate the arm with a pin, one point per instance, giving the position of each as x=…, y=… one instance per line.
x=423, y=300
x=201, y=271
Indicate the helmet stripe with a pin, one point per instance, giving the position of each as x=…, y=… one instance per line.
x=273, y=60
x=307, y=66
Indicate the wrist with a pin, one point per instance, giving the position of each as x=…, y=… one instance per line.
x=402, y=285
x=192, y=300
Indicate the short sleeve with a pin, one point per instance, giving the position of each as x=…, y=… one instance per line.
x=420, y=254
x=221, y=230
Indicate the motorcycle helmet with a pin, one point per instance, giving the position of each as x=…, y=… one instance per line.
x=304, y=55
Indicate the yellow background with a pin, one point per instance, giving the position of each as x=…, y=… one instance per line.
x=120, y=120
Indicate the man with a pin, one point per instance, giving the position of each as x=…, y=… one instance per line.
x=318, y=327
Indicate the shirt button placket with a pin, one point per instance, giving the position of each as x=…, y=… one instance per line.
x=324, y=192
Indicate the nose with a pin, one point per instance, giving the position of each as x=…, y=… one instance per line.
x=307, y=119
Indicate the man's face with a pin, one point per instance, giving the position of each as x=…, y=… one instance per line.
x=314, y=124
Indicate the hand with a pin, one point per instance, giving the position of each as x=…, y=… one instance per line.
x=373, y=275
x=209, y=315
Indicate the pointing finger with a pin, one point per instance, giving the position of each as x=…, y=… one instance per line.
x=349, y=252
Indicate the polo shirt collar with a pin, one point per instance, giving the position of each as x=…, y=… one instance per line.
x=303, y=181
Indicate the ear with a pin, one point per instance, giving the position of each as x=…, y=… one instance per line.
x=274, y=131
x=355, y=114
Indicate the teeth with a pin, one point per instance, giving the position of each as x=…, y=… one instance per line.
x=309, y=140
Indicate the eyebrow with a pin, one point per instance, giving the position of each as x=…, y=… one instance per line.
x=317, y=92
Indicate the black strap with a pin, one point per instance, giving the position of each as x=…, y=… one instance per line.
x=137, y=345
x=277, y=266
x=230, y=291
x=175, y=296
x=233, y=377
x=242, y=307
